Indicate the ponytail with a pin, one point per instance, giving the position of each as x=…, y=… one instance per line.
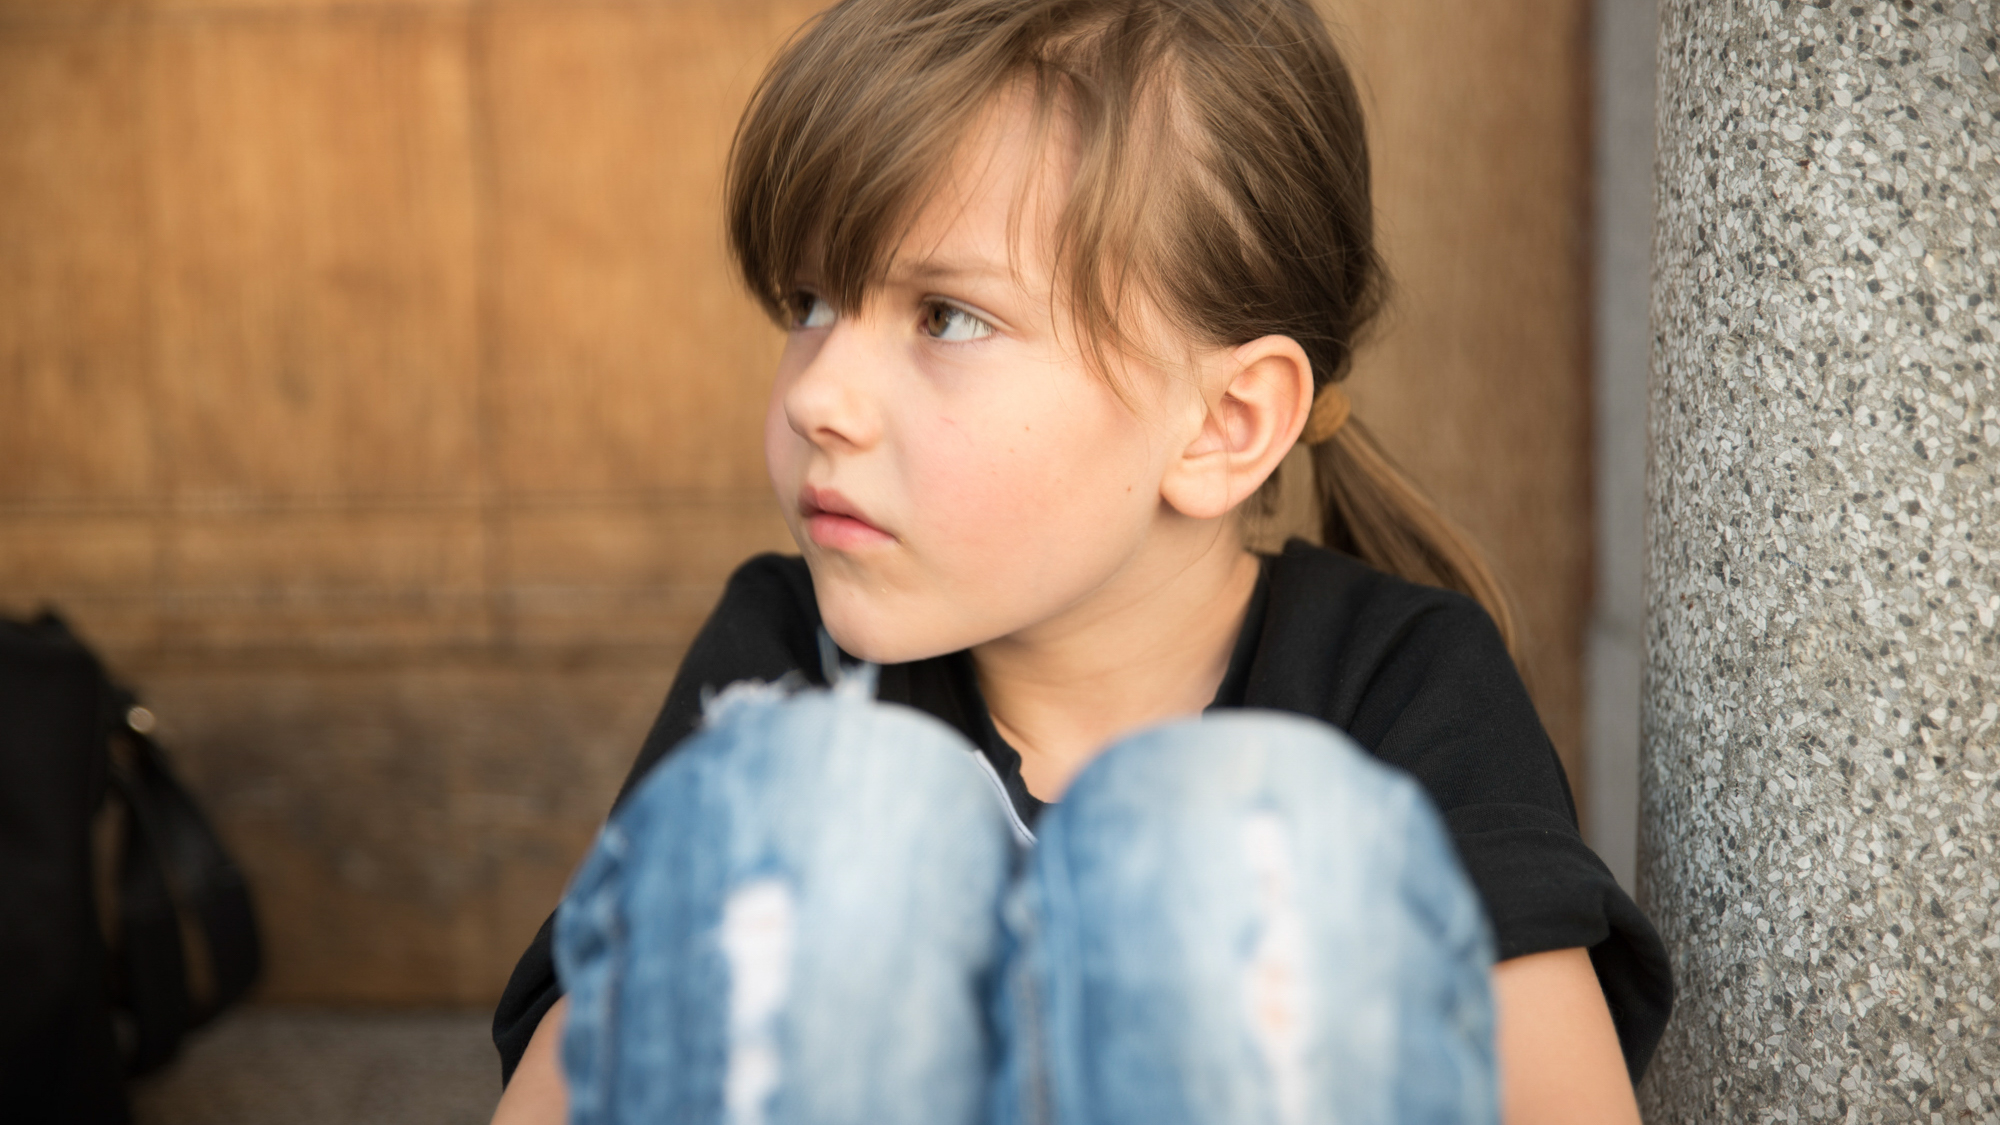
x=1370, y=510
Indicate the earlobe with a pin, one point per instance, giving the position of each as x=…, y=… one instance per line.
x=1257, y=397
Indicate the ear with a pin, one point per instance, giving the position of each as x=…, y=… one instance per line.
x=1257, y=397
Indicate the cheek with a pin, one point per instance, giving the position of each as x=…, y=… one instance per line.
x=1042, y=483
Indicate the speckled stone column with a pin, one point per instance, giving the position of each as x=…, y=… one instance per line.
x=1822, y=771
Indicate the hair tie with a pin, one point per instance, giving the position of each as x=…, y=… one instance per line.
x=1329, y=413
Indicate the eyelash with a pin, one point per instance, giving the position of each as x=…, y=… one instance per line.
x=933, y=308
x=806, y=305
x=803, y=306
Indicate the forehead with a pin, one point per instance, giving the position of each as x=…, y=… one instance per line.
x=995, y=206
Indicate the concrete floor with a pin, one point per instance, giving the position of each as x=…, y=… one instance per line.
x=265, y=1066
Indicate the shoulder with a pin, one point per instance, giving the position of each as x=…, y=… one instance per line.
x=1417, y=675
x=1334, y=586
x=1335, y=626
x=780, y=581
x=765, y=624
x=768, y=601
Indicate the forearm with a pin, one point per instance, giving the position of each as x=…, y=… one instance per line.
x=1559, y=1058
x=537, y=1095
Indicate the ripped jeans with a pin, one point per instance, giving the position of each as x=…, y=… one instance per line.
x=817, y=911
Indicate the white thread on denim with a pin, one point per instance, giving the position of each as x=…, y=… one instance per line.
x=1023, y=835
x=756, y=938
x=1275, y=982
x=717, y=705
x=857, y=682
x=844, y=681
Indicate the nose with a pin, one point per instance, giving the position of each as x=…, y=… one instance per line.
x=832, y=400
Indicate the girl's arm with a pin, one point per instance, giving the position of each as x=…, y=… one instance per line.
x=1559, y=1056
x=537, y=1095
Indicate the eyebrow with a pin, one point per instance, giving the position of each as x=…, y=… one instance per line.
x=950, y=269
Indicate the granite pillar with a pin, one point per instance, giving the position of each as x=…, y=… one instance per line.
x=1820, y=838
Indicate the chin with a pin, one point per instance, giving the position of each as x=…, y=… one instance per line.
x=873, y=643
x=869, y=632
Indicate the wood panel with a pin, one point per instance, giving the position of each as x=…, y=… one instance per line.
x=1479, y=379
x=73, y=325
x=313, y=258
x=373, y=386
x=626, y=357
x=586, y=575
x=406, y=824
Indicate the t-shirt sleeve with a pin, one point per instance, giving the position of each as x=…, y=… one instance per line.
x=765, y=626
x=1550, y=891
x=1442, y=700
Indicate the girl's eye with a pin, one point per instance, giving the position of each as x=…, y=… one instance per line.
x=810, y=310
x=952, y=324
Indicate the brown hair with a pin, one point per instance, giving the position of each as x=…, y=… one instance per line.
x=1222, y=169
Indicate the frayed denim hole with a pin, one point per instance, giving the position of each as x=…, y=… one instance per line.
x=756, y=936
x=719, y=707
x=1277, y=973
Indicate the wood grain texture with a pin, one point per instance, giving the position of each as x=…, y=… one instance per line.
x=374, y=388
x=617, y=321
x=314, y=265
x=75, y=414
x=406, y=825
x=1478, y=381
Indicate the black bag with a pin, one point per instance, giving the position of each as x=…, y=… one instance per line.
x=80, y=1014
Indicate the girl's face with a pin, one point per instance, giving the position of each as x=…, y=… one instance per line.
x=951, y=467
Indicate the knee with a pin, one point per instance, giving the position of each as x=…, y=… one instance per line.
x=1220, y=767
x=769, y=756
x=1263, y=792
x=823, y=802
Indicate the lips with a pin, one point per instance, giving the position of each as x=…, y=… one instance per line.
x=834, y=522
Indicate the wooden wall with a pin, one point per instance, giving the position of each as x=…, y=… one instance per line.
x=1480, y=381
x=373, y=390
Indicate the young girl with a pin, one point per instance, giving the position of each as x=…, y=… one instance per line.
x=1064, y=281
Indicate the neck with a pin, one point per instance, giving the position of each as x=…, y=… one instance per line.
x=1152, y=645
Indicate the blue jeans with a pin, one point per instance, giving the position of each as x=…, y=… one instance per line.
x=816, y=911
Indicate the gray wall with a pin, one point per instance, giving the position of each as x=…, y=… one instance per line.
x=1626, y=32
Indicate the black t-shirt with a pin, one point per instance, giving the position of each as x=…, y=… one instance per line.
x=1417, y=675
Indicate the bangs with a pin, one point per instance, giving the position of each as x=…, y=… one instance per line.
x=858, y=122
x=1219, y=174
x=851, y=131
